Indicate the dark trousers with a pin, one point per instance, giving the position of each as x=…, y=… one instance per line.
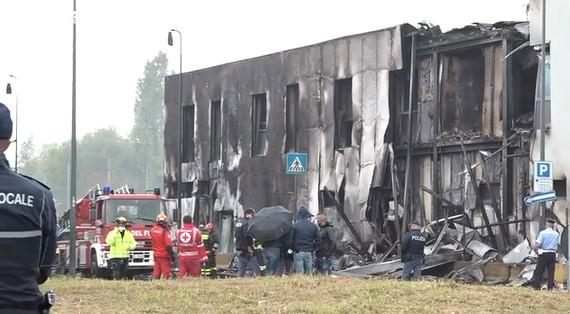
x=413, y=267
x=120, y=267
x=209, y=268
x=273, y=258
x=258, y=254
x=287, y=263
x=546, y=261
x=303, y=263
x=246, y=260
x=324, y=264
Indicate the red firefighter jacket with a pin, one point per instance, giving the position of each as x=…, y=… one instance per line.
x=189, y=240
x=161, y=240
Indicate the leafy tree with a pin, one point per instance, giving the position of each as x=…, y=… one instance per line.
x=147, y=134
x=26, y=151
x=50, y=167
x=103, y=157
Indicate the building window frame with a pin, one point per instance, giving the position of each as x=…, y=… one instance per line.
x=291, y=117
x=259, y=141
x=215, y=130
x=188, y=127
x=343, y=116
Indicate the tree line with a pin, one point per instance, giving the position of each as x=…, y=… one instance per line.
x=104, y=156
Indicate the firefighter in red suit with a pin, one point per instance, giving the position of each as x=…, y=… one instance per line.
x=161, y=248
x=190, y=249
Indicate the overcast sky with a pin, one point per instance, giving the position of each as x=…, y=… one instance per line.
x=116, y=37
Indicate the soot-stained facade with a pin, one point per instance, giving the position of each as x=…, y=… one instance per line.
x=346, y=103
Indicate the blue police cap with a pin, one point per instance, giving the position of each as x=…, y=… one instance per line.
x=5, y=123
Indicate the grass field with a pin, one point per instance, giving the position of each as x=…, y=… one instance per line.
x=298, y=295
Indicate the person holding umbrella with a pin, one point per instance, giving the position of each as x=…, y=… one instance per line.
x=270, y=226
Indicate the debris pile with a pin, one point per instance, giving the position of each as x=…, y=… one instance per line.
x=454, y=250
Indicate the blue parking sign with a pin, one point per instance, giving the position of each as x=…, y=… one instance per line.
x=543, y=173
x=296, y=163
x=543, y=169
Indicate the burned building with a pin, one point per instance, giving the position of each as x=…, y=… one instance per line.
x=399, y=124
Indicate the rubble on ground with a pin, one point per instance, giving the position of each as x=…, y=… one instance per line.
x=454, y=250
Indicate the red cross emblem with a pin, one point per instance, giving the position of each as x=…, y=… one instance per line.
x=185, y=237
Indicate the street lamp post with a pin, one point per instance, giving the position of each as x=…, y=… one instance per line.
x=9, y=90
x=180, y=121
x=73, y=163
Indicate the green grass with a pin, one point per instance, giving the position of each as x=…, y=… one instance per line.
x=297, y=295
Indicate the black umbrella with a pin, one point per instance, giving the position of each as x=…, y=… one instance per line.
x=270, y=223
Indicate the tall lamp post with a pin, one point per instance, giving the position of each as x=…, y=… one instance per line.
x=542, y=100
x=73, y=166
x=15, y=141
x=180, y=121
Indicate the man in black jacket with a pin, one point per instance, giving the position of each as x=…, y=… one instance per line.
x=413, y=252
x=327, y=245
x=244, y=246
x=304, y=239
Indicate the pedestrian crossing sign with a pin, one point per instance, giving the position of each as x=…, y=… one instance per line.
x=296, y=163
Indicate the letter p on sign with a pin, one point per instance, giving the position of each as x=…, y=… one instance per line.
x=543, y=169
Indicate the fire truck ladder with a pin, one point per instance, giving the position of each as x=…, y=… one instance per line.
x=93, y=192
x=64, y=223
x=123, y=190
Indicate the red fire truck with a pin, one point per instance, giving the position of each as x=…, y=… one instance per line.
x=96, y=214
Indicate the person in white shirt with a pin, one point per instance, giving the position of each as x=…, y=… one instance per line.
x=546, y=244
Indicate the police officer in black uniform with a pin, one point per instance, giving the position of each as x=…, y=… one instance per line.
x=244, y=246
x=27, y=234
x=413, y=252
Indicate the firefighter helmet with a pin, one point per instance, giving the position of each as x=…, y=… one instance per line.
x=161, y=218
x=121, y=221
x=209, y=226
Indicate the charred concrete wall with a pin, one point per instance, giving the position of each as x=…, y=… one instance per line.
x=469, y=104
x=350, y=115
x=557, y=97
x=241, y=178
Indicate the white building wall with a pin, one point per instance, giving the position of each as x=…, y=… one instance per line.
x=557, y=144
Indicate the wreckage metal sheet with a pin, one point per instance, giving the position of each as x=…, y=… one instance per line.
x=394, y=265
x=479, y=248
x=518, y=254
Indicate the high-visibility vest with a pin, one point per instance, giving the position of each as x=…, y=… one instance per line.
x=120, y=245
